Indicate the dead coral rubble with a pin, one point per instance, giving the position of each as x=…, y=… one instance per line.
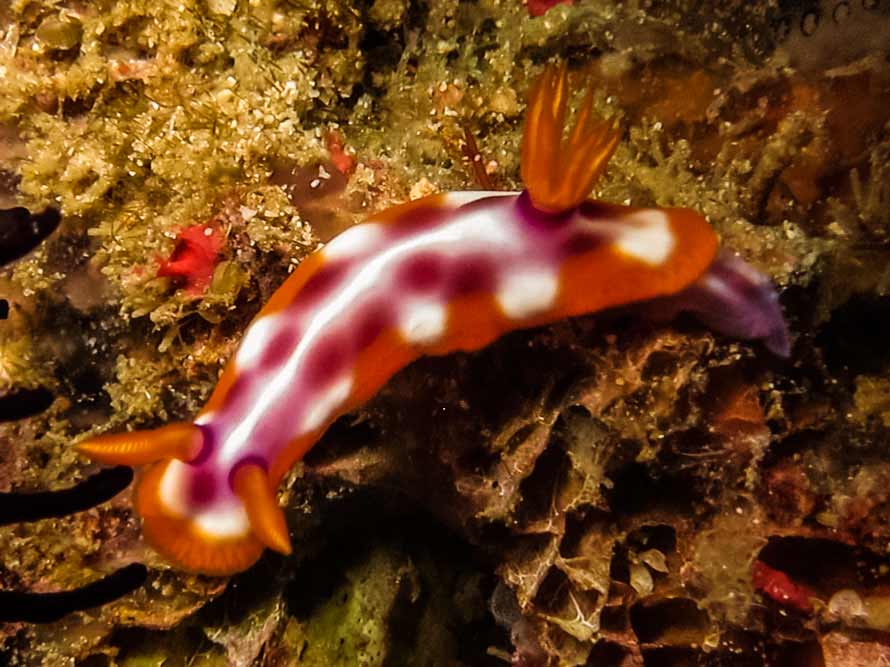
x=600, y=492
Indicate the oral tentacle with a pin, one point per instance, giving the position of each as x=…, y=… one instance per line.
x=181, y=441
x=251, y=485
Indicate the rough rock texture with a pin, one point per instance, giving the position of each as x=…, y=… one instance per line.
x=604, y=491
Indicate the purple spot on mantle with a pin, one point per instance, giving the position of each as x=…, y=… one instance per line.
x=580, y=243
x=420, y=273
x=325, y=361
x=322, y=281
x=279, y=348
x=202, y=488
x=416, y=220
x=370, y=324
x=474, y=273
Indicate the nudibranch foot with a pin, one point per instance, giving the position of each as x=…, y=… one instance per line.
x=559, y=174
x=181, y=441
x=734, y=299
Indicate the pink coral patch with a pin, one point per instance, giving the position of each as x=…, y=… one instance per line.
x=190, y=265
x=541, y=7
x=778, y=586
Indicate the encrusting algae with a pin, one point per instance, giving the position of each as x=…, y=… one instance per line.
x=624, y=481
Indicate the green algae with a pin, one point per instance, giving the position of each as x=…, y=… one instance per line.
x=19, y=363
x=872, y=399
x=389, y=605
x=393, y=606
x=349, y=628
x=169, y=128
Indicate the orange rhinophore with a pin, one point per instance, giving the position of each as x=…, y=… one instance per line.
x=559, y=173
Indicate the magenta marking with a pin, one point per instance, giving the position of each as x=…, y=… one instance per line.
x=279, y=348
x=416, y=220
x=269, y=428
x=370, y=324
x=421, y=273
x=202, y=487
x=325, y=279
x=325, y=361
x=240, y=386
x=580, y=243
x=473, y=273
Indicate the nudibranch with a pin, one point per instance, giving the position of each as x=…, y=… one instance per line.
x=443, y=273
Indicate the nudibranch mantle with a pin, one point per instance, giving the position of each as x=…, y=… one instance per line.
x=447, y=272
